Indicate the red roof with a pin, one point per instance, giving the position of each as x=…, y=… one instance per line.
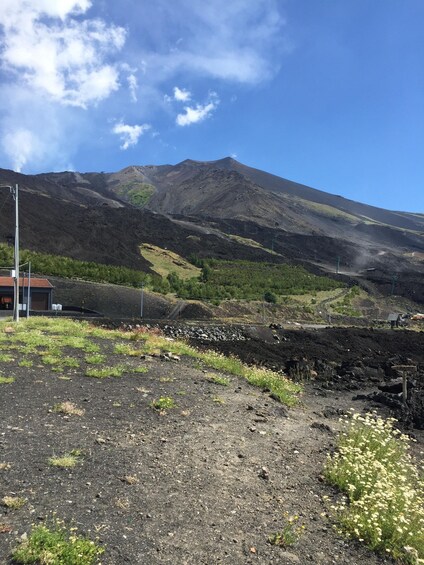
x=35, y=283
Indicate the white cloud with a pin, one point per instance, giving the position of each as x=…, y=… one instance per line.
x=20, y=146
x=133, y=86
x=181, y=94
x=193, y=115
x=238, y=41
x=46, y=48
x=129, y=135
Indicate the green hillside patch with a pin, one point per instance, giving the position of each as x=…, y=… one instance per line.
x=60, y=266
x=137, y=193
x=166, y=262
x=244, y=280
x=328, y=211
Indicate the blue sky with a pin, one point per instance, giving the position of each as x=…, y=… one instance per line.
x=329, y=93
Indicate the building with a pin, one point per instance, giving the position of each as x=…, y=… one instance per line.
x=40, y=293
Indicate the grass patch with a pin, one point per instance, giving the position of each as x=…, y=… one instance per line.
x=68, y=408
x=218, y=400
x=290, y=533
x=26, y=363
x=280, y=387
x=13, y=502
x=56, y=546
x=66, y=461
x=95, y=359
x=384, y=505
x=165, y=262
x=6, y=380
x=223, y=381
x=44, y=337
x=126, y=349
x=140, y=370
x=164, y=403
x=105, y=372
x=6, y=358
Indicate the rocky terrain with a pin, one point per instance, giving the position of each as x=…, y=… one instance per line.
x=206, y=481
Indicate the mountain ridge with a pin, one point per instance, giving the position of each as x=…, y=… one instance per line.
x=196, y=207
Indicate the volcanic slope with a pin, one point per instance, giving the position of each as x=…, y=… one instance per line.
x=192, y=207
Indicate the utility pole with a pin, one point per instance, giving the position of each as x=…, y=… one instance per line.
x=28, y=290
x=15, y=194
x=14, y=190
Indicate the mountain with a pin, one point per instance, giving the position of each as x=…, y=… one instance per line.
x=214, y=209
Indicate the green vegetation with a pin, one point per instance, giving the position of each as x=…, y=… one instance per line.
x=5, y=358
x=244, y=280
x=223, y=381
x=46, y=338
x=94, y=359
x=6, y=380
x=281, y=388
x=164, y=403
x=105, y=372
x=345, y=306
x=66, y=461
x=56, y=265
x=204, y=280
x=165, y=262
x=56, y=546
x=137, y=193
x=14, y=502
x=68, y=408
x=290, y=533
x=384, y=488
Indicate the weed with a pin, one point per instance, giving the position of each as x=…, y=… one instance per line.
x=105, y=372
x=13, y=502
x=90, y=347
x=126, y=349
x=6, y=380
x=166, y=379
x=142, y=390
x=289, y=534
x=26, y=363
x=67, y=460
x=5, y=358
x=56, y=546
x=122, y=503
x=95, y=359
x=384, y=489
x=218, y=400
x=164, y=403
x=68, y=408
x=223, y=381
x=140, y=370
x=130, y=479
x=280, y=387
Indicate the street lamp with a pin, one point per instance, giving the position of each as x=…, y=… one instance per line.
x=15, y=193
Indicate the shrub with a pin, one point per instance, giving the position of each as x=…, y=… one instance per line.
x=385, y=493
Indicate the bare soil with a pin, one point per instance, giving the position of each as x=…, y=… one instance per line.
x=205, y=482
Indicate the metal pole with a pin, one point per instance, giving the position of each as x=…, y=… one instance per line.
x=404, y=387
x=15, y=193
x=142, y=300
x=29, y=289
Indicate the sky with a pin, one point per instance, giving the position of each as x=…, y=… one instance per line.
x=328, y=93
